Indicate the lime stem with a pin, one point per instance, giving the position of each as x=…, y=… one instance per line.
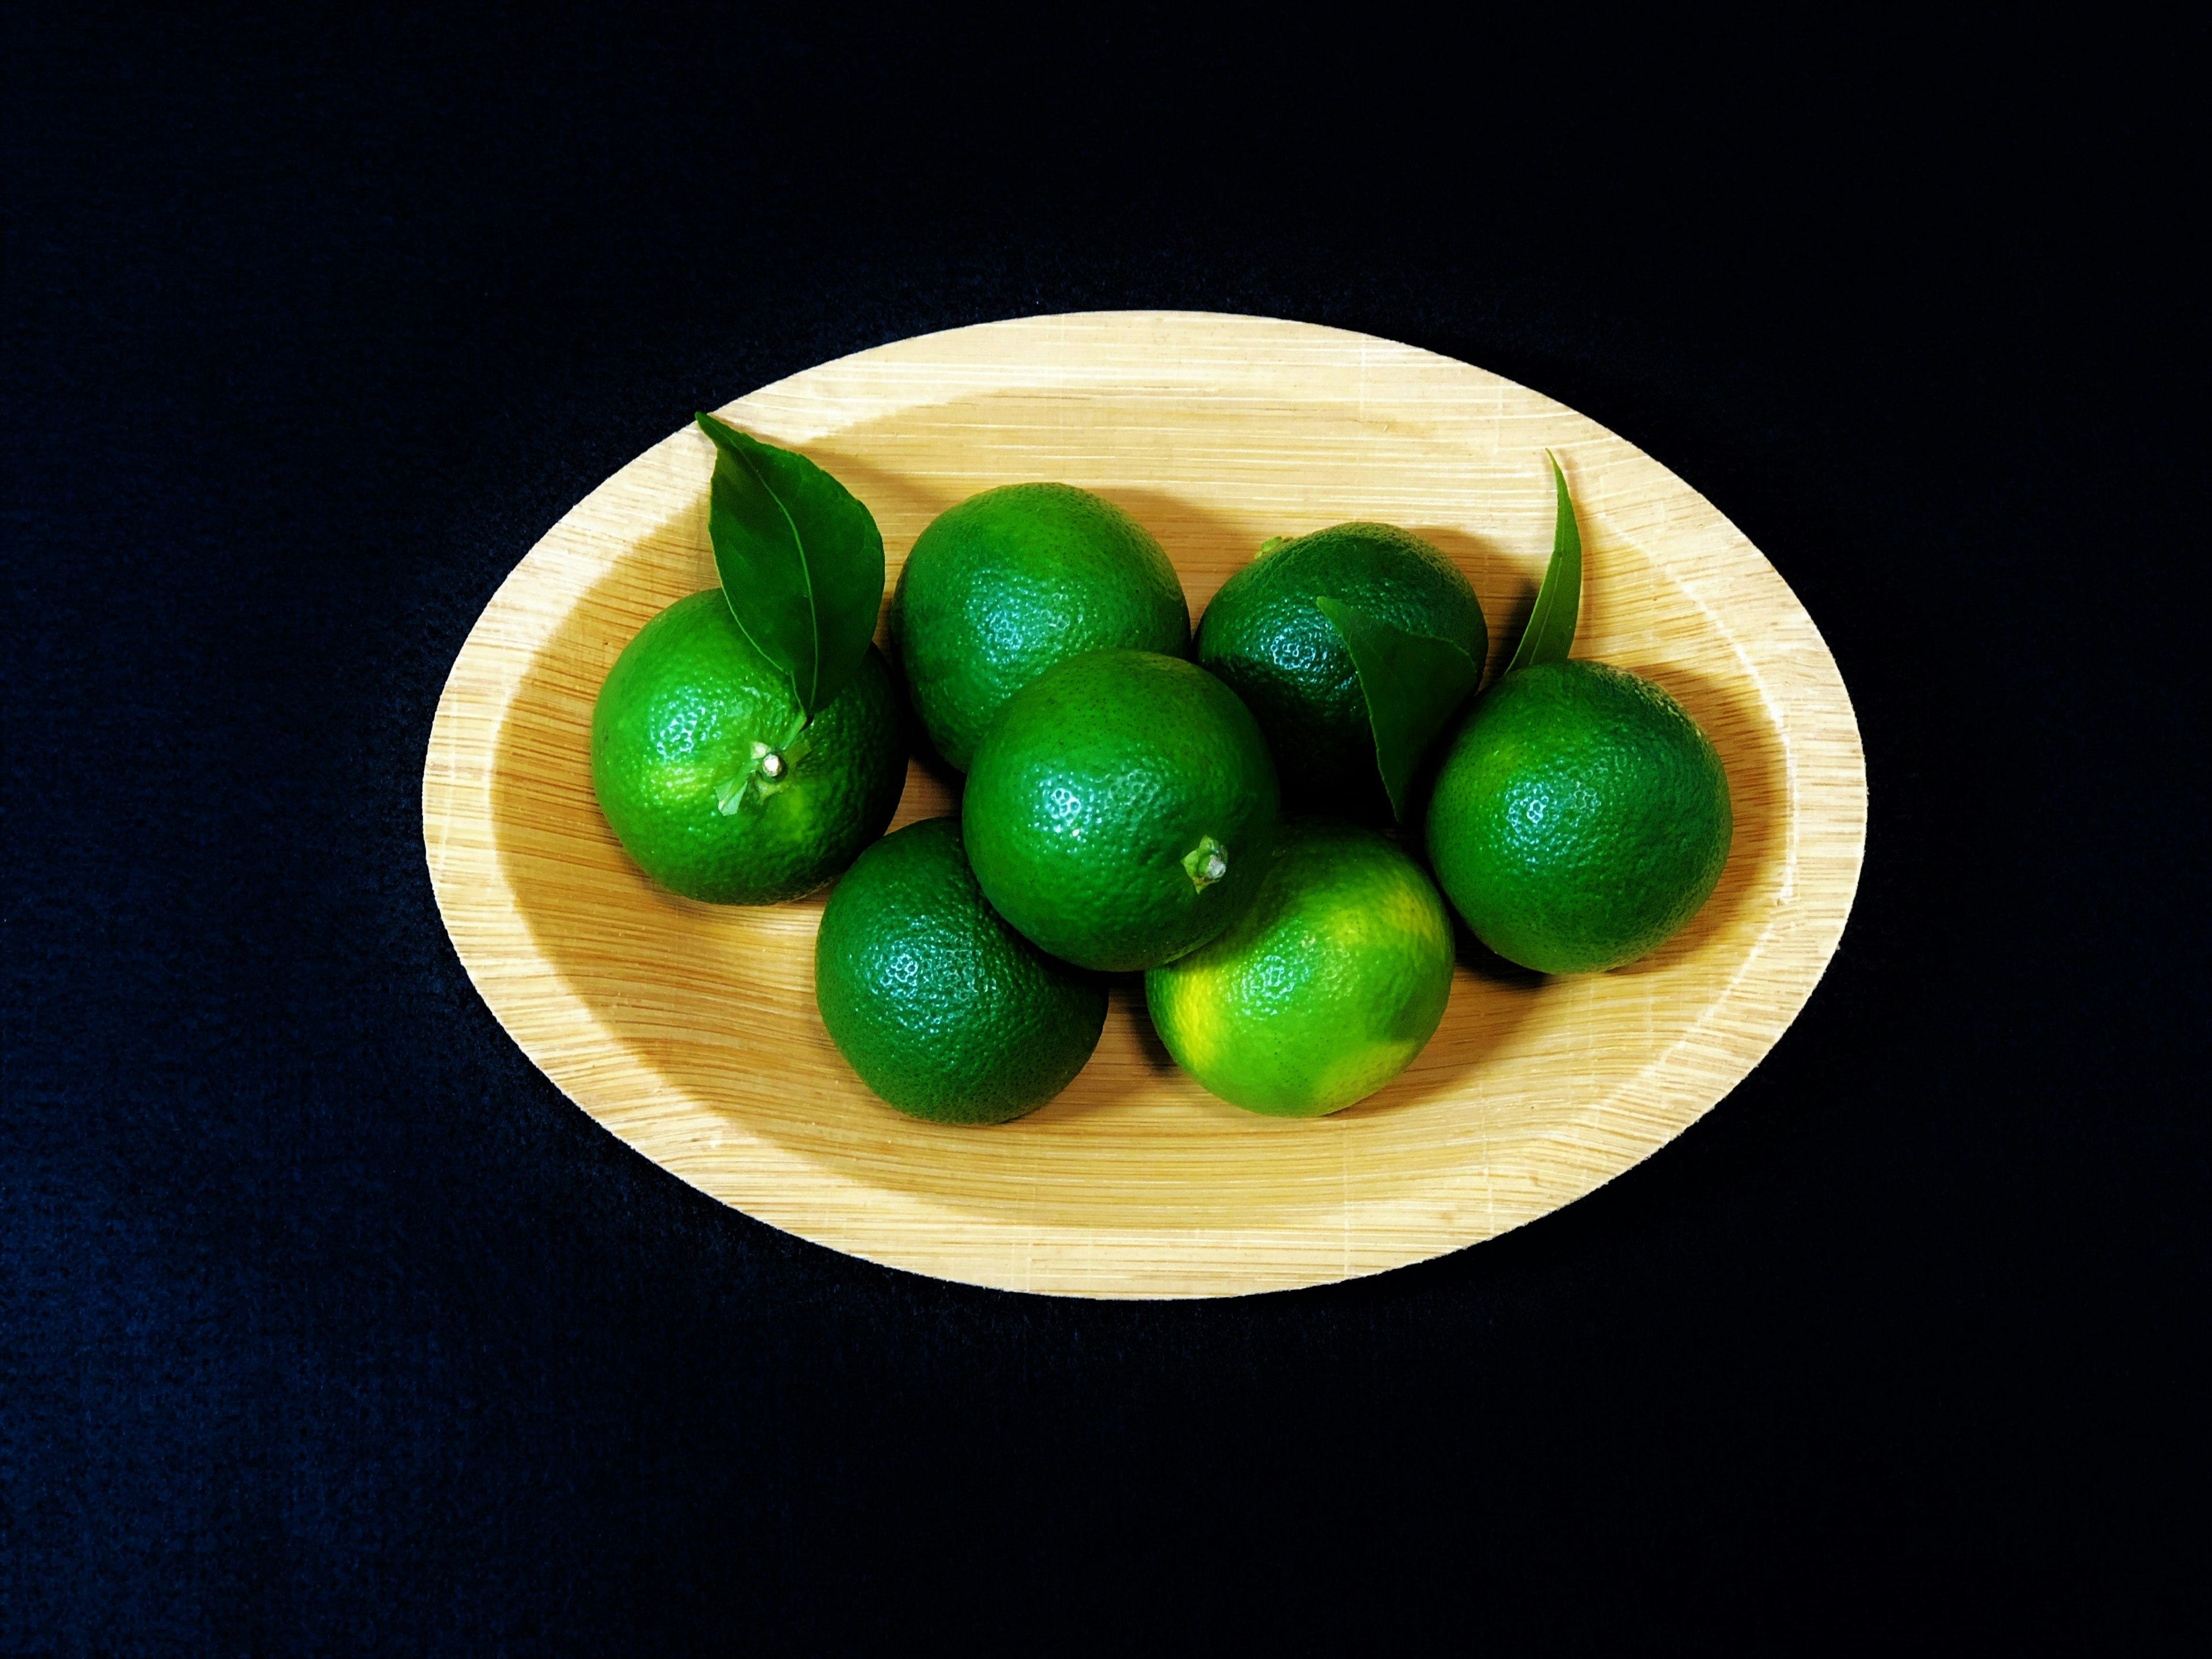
x=1206, y=863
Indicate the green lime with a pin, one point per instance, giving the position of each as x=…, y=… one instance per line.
x=1266, y=638
x=1579, y=817
x=1324, y=988
x=1120, y=811
x=710, y=780
x=1009, y=582
x=945, y=1010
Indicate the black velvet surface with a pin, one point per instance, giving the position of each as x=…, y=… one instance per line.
x=328, y=1325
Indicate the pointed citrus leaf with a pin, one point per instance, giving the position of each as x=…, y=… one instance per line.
x=801, y=560
x=1413, y=684
x=1551, y=631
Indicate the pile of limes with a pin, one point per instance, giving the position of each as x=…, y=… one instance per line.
x=1215, y=812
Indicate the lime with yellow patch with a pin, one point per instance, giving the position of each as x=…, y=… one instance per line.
x=1324, y=988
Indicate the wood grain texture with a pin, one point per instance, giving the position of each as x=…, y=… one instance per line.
x=690, y=1030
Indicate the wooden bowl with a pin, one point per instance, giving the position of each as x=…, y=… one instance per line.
x=690, y=1031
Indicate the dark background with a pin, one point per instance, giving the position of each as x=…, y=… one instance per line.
x=328, y=1325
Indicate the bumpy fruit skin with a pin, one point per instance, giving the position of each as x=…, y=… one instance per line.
x=1119, y=812
x=943, y=1010
x=1325, y=988
x=1579, y=817
x=675, y=728
x=1002, y=586
x=1266, y=640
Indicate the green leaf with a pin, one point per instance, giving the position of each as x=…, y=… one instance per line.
x=1551, y=631
x=801, y=561
x=1413, y=684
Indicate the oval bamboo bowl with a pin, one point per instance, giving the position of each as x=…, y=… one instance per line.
x=690, y=1030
